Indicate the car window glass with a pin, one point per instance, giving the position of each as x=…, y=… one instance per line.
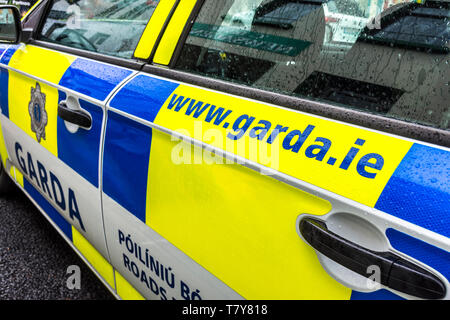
x=111, y=27
x=386, y=57
x=422, y=26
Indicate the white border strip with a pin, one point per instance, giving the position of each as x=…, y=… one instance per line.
x=106, y=284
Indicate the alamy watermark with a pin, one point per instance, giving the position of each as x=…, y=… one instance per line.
x=211, y=146
x=373, y=281
x=374, y=23
x=73, y=282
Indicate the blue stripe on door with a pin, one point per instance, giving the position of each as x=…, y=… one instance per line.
x=430, y=255
x=51, y=212
x=143, y=96
x=94, y=79
x=125, y=163
x=8, y=54
x=419, y=190
x=81, y=150
x=4, y=89
x=4, y=78
x=3, y=48
x=377, y=295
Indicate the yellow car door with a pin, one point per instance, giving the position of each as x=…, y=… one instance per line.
x=266, y=165
x=236, y=150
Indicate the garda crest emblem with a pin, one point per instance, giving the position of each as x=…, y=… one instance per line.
x=36, y=109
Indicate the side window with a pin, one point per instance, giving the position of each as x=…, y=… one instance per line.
x=388, y=57
x=111, y=27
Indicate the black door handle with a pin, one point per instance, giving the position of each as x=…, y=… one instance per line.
x=76, y=117
x=396, y=272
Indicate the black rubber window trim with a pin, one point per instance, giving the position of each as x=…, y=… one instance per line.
x=367, y=120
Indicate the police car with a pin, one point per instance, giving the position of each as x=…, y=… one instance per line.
x=187, y=156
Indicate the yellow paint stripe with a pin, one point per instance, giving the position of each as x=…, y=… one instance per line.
x=3, y=150
x=236, y=223
x=19, y=177
x=153, y=29
x=239, y=224
x=348, y=183
x=19, y=99
x=35, y=61
x=173, y=32
x=125, y=290
x=98, y=262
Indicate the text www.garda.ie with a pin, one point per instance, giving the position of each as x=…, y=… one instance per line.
x=257, y=140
